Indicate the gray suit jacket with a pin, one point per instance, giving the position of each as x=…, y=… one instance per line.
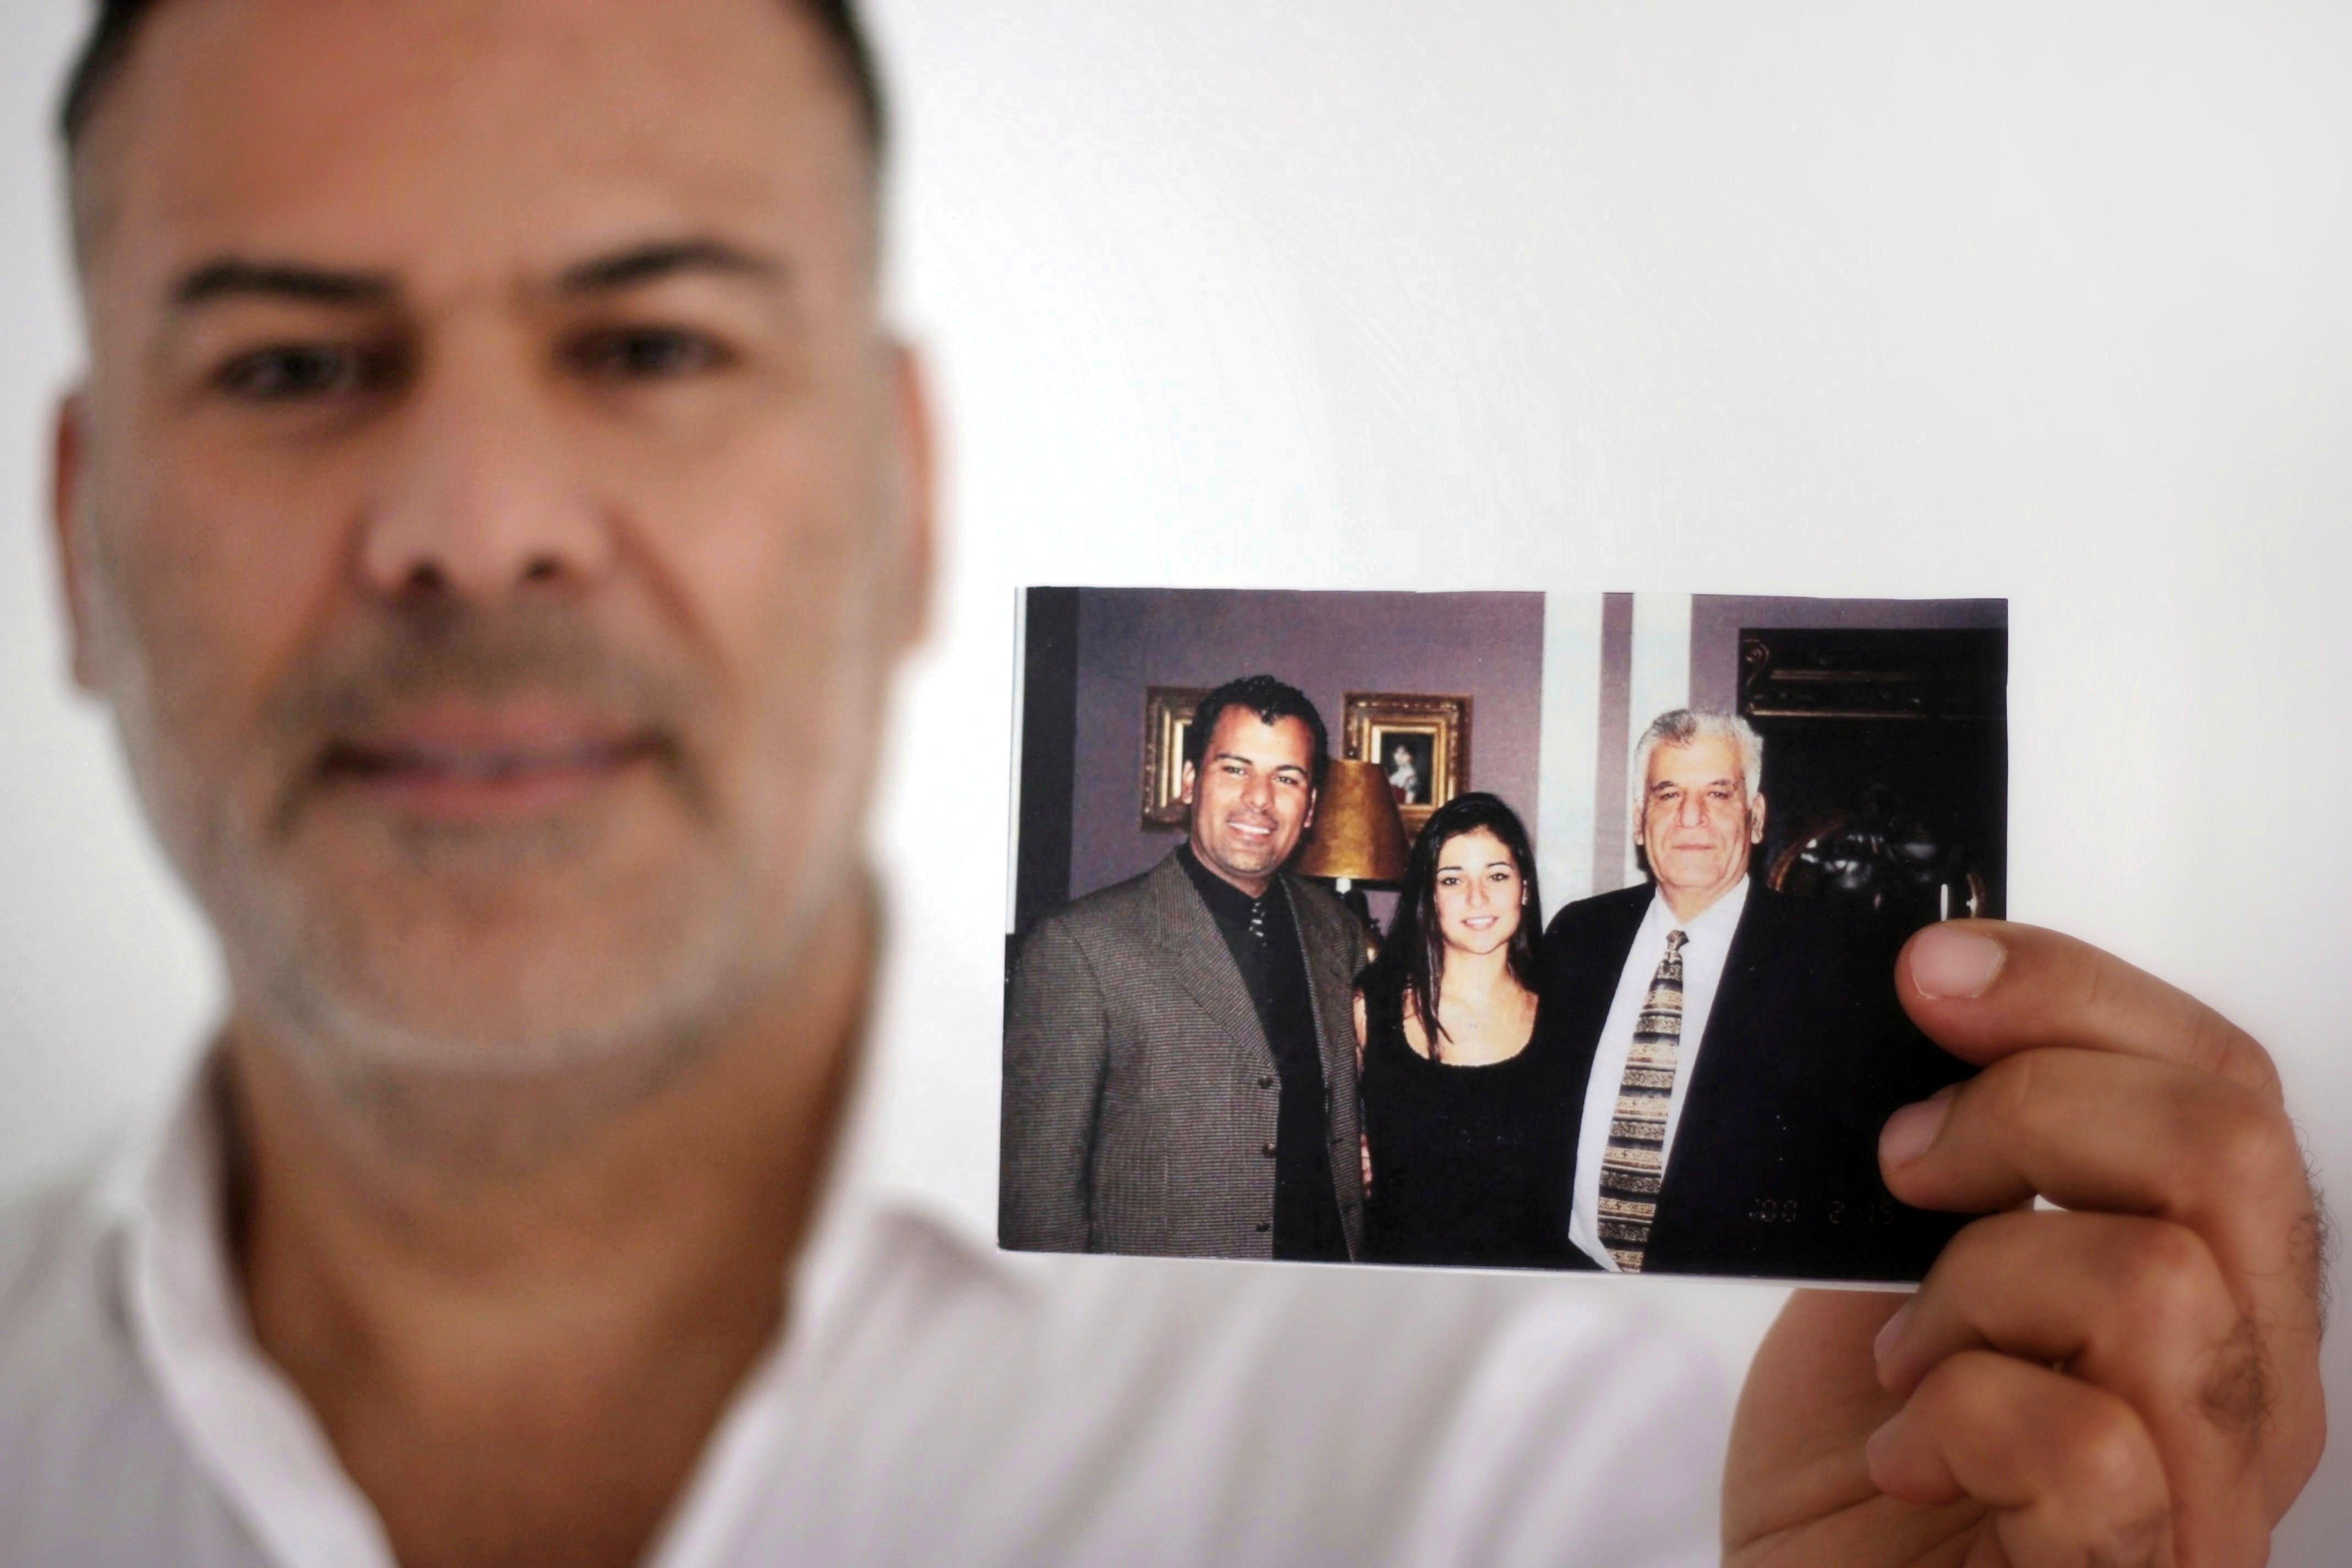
x=1139, y=1094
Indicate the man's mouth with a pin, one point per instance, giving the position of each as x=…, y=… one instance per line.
x=461, y=767
x=1256, y=832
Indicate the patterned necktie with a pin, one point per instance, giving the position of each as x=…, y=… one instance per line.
x=1636, y=1156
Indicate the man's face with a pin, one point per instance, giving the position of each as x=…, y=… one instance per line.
x=1698, y=821
x=1252, y=797
x=493, y=511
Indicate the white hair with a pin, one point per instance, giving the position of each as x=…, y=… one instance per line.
x=1685, y=725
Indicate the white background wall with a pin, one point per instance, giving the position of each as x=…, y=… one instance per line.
x=2036, y=300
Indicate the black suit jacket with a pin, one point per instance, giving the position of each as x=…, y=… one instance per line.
x=1774, y=1169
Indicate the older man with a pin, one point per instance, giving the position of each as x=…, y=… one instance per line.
x=491, y=512
x=1180, y=1074
x=1733, y=1051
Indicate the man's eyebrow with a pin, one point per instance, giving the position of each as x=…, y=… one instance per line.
x=648, y=263
x=236, y=278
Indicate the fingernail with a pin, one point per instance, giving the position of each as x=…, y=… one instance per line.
x=1948, y=963
x=1911, y=1130
x=1891, y=1335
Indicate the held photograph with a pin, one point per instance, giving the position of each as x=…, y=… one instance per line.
x=1613, y=992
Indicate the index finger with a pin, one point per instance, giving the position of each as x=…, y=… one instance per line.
x=1986, y=989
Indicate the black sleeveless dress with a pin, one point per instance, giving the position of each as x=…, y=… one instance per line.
x=1469, y=1163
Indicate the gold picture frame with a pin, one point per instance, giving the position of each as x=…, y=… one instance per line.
x=1167, y=718
x=1421, y=741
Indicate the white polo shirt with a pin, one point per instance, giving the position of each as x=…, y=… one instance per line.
x=1705, y=951
x=932, y=1402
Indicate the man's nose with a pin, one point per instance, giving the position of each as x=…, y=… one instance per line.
x=483, y=493
x=1257, y=792
x=1691, y=811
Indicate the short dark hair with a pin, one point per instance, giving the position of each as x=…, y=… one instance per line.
x=1270, y=700
x=116, y=29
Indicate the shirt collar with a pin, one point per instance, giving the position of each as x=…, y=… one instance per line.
x=168, y=1269
x=1227, y=902
x=238, y=1417
x=166, y=1178
x=164, y=1200
x=1712, y=924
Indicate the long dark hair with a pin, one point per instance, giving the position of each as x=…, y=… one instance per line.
x=1412, y=961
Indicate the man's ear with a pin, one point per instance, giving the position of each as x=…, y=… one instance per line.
x=1755, y=819
x=68, y=476
x=1184, y=793
x=914, y=499
x=1309, y=820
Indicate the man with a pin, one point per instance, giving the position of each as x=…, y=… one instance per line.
x=1180, y=1070
x=491, y=475
x=1734, y=1052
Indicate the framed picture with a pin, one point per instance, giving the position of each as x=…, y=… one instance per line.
x=1166, y=718
x=1422, y=742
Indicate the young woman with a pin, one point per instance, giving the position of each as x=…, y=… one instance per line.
x=1464, y=1118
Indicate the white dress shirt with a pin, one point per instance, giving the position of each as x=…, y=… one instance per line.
x=933, y=1401
x=1707, y=944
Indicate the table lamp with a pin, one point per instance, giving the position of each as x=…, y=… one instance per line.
x=1358, y=838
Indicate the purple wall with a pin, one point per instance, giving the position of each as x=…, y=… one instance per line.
x=1487, y=647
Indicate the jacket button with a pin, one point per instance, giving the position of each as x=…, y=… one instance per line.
x=1269, y=1150
x=1266, y=1082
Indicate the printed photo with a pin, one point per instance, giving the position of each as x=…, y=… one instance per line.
x=1617, y=996
x=1407, y=755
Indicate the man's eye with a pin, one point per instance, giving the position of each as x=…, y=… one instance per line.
x=291, y=373
x=647, y=353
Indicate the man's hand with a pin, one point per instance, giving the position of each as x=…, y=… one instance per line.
x=2132, y=1381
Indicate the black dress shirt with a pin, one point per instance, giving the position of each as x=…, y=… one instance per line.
x=1264, y=940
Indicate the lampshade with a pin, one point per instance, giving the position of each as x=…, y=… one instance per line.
x=1357, y=833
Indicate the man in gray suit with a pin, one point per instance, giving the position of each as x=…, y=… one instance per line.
x=1179, y=1071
